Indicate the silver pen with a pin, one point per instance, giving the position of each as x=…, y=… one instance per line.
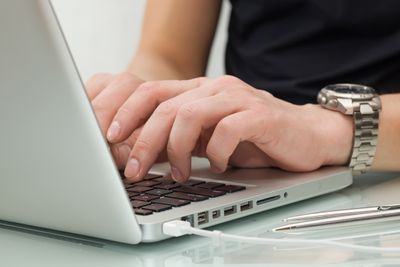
x=342, y=217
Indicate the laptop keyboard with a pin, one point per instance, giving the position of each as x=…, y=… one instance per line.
x=157, y=193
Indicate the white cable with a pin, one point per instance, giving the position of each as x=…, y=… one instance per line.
x=179, y=228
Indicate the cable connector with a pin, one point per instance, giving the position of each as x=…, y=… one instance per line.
x=176, y=228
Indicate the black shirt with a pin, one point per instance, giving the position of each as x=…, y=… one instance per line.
x=292, y=48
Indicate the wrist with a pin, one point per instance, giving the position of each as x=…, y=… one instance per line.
x=336, y=134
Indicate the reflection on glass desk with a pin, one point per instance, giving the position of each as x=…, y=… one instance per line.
x=22, y=248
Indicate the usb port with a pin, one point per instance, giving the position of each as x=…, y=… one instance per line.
x=188, y=218
x=229, y=210
x=202, y=218
x=216, y=214
x=246, y=206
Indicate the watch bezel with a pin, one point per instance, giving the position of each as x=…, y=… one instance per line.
x=333, y=91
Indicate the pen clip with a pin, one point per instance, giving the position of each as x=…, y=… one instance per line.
x=389, y=207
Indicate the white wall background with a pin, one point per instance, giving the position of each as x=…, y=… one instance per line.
x=103, y=34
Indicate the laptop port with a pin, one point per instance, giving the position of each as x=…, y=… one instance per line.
x=268, y=199
x=188, y=218
x=246, y=206
x=216, y=214
x=202, y=218
x=229, y=210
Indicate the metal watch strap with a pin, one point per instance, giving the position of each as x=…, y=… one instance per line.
x=366, y=123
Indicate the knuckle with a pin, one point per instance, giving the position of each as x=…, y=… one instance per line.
x=224, y=127
x=147, y=86
x=166, y=108
x=188, y=112
x=142, y=145
x=123, y=112
x=99, y=105
x=227, y=80
x=266, y=94
x=200, y=80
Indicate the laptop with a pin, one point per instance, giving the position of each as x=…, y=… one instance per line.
x=40, y=249
x=57, y=171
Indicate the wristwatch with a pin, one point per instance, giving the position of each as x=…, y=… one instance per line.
x=363, y=103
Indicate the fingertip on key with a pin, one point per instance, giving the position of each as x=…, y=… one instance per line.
x=176, y=174
x=132, y=168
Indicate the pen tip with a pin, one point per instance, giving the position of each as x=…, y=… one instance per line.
x=281, y=228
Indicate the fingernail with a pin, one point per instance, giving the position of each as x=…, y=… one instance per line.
x=132, y=168
x=176, y=174
x=113, y=131
x=123, y=153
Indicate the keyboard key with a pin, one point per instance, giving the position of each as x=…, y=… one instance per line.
x=151, y=176
x=158, y=192
x=145, y=197
x=230, y=188
x=139, y=189
x=127, y=186
x=142, y=212
x=192, y=182
x=132, y=194
x=138, y=203
x=189, y=197
x=157, y=207
x=167, y=186
x=128, y=183
x=199, y=191
x=147, y=183
x=165, y=180
x=171, y=201
x=210, y=185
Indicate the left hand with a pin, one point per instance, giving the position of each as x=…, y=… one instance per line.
x=230, y=122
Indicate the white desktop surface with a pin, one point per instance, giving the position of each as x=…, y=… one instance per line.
x=19, y=248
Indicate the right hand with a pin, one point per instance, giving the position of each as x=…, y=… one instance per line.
x=107, y=93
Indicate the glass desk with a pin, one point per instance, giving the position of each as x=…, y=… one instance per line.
x=21, y=248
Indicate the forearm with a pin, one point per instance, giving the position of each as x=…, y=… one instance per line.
x=152, y=66
x=387, y=155
x=176, y=39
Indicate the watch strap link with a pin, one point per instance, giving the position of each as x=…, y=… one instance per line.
x=366, y=122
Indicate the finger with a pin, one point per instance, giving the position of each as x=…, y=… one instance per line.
x=191, y=119
x=108, y=101
x=122, y=150
x=228, y=133
x=97, y=83
x=141, y=104
x=156, y=130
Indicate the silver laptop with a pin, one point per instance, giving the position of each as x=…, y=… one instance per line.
x=56, y=171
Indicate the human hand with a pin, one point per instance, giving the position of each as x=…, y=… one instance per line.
x=229, y=122
x=107, y=93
